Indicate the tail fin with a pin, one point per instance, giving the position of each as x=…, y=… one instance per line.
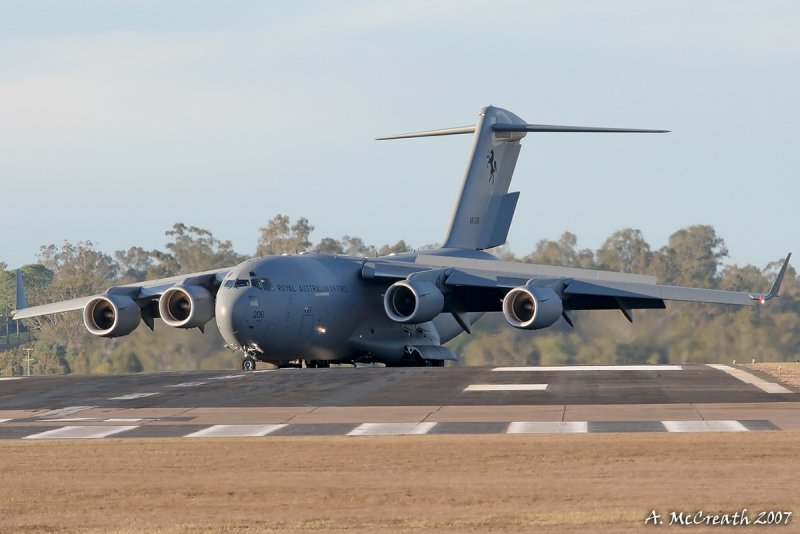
x=482, y=215
x=22, y=300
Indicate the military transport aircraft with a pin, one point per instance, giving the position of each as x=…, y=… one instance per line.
x=317, y=308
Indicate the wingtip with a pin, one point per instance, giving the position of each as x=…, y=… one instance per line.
x=776, y=285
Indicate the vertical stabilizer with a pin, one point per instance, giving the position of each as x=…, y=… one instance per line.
x=484, y=209
x=22, y=300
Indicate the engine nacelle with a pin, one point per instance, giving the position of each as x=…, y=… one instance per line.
x=186, y=306
x=111, y=315
x=531, y=307
x=412, y=301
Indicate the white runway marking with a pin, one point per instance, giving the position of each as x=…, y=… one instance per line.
x=548, y=427
x=64, y=411
x=234, y=431
x=80, y=432
x=391, y=429
x=704, y=426
x=11, y=378
x=186, y=385
x=133, y=396
x=593, y=368
x=5, y=420
x=744, y=376
x=506, y=387
x=226, y=377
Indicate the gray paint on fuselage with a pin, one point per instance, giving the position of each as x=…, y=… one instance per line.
x=318, y=307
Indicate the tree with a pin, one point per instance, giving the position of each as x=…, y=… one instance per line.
x=78, y=269
x=561, y=253
x=355, y=246
x=625, y=251
x=693, y=256
x=196, y=249
x=400, y=246
x=329, y=245
x=134, y=264
x=278, y=237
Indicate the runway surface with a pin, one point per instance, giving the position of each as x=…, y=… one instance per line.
x=395, y=401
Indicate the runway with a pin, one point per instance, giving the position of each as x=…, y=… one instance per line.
x=396, y=401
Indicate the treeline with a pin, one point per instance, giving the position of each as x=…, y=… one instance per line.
x=683, y=333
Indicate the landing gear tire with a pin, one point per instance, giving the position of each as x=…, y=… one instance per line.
x=248, y=364
x=432, y=363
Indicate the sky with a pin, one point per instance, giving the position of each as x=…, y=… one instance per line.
x=120, y=118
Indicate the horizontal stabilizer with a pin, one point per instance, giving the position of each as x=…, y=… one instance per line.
x=431, y=133
x=554, y=128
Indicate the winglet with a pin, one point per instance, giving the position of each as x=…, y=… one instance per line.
x=776, y=286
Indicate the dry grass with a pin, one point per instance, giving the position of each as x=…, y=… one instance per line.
x=412, y=483
x=787, y=373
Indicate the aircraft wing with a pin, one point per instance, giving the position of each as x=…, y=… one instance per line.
x=580, y=289
x=140, y=292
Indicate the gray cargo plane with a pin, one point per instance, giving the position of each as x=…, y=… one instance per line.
x=315, y=309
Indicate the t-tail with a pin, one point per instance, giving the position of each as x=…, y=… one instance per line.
x=482, y=215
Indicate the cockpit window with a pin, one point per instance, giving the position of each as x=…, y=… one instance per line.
x=242, y=282
x=229, y=284
x=261, y=283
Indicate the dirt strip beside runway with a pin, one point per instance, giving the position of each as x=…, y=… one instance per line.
x=550, y=483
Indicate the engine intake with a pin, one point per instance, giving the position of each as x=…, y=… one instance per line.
x=111, y=316
x=412, y=301
x=186, y=306
x=531, y=307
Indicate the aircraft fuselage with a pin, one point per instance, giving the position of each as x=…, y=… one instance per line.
x=315, y=307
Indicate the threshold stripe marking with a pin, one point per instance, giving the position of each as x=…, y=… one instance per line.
x=5, y=420
x=133, y=396
x=506, y=387
x=11, y=378
x=186, y=385
x=744, y=376
x=593, y=368
x=234, y=431
x=391, y=429
x=80, y=432
x=64, y=411
x=548, y=427
x=704, y=426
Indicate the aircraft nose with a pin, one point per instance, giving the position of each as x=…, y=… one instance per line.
x=231, y=314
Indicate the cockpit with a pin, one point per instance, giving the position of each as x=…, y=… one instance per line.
x=253, y=281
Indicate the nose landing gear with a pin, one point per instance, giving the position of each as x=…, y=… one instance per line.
x=248, y=363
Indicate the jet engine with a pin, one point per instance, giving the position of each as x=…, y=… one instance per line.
x=186, y=306
x=111, y=315
x=532, y=307
x=412, y=301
